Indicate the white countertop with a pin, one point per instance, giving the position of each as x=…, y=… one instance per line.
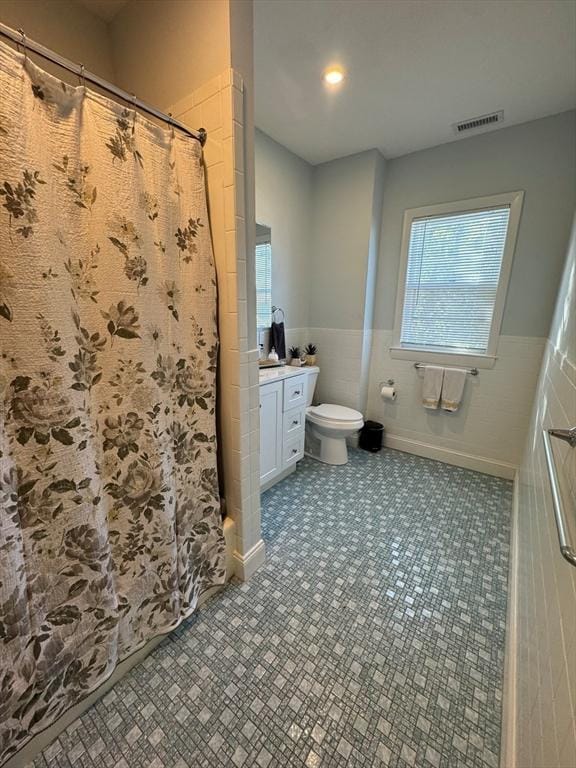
x=266, y=375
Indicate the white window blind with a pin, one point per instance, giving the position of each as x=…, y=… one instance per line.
x=263, y=285
x=452, y=277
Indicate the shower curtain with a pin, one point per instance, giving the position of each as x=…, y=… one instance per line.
x=110, y=524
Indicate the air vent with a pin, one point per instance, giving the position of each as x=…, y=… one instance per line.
x=481, y=123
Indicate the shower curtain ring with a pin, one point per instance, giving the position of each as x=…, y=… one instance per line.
x=81, y=77
x=23, y=43
x=133, y=99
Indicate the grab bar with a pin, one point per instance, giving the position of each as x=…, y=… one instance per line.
x=567, y=550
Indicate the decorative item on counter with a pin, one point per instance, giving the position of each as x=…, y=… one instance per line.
x=310, y=352
x=294, y=353
x=273, y=355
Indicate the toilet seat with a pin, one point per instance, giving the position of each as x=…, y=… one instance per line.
x=337, y=415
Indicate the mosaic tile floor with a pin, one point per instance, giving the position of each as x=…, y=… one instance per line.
x=373, y=636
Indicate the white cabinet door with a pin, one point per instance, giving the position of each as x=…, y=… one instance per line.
x=270, y=431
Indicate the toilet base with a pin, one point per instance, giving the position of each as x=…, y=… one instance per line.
x=333, y=450
x=328, y=450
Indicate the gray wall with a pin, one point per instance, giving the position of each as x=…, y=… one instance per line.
x=325, y=223
x=68, y=28
x=283, y=203
x=165, y=49
x=537, y=157
x=343, y=197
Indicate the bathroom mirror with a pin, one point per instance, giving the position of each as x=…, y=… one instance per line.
x=263, y=276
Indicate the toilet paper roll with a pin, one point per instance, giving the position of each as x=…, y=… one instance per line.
x=388, y=393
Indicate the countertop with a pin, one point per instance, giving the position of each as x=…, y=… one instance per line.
x=266, y=375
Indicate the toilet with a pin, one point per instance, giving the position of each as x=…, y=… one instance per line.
x=328, y=426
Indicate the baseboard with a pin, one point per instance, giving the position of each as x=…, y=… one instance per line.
x=509, y=698
x=465, y=460
x=246, y=565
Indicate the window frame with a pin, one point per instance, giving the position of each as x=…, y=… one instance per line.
x=453, y=356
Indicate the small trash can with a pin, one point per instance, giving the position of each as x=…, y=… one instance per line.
x=372, y=436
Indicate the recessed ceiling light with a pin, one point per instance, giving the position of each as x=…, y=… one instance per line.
x=333, y=76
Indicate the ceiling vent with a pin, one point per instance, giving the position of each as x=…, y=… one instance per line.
x=477, y=124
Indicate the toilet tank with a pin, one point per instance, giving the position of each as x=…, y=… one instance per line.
x=311, y=384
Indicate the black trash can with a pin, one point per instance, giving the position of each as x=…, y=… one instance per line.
x=372, y=436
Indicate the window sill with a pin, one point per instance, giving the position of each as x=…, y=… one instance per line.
x=457, y=359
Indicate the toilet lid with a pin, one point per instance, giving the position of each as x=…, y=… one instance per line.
x=336, y=412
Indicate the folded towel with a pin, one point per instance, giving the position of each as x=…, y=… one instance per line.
x=432, y=386
x=453, y=388
x=278, y=339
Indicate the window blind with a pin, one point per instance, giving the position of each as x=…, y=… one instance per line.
x=452, y=277
x=263, y=285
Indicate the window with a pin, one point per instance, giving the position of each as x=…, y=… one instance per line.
x=263, y=277
x=456, y=261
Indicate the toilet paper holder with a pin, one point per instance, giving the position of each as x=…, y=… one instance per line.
x=387, y=383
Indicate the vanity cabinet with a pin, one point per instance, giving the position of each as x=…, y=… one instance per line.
x=282, y=422
x=270, y=431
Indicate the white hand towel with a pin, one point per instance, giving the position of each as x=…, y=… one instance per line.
x=432, y=386
x=453, y=388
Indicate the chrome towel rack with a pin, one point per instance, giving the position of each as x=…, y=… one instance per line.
x=471, y=371
x=569, y=436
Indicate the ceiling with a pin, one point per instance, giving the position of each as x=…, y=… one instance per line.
x=106, y=9
x=414, y=67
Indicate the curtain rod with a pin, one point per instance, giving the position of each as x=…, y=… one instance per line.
x=20, y=38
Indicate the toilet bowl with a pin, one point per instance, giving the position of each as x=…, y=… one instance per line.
x=328, y=426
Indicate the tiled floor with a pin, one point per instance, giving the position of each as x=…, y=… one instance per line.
x=373, y=636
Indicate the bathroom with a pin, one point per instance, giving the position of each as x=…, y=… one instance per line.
x=329, y=605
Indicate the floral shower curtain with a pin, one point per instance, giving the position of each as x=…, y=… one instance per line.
x=110, y=524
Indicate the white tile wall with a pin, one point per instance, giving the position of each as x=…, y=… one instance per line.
x=492, y=421
x=297, y=337
x=487, y=433
x=218, y=107
x=340, y=361
x=542, y=691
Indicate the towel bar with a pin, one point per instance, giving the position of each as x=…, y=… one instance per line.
x=471, y=371
x=567, y=550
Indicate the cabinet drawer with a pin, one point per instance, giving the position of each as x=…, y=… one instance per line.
x=295, y=392
x=293, y=422
x=294, y=449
